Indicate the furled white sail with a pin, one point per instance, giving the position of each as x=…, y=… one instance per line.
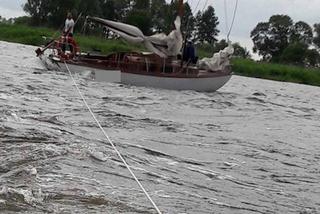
x=160, y=44
x=219, y=61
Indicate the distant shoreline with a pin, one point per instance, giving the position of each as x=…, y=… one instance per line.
x=277, y=72
x=244, y=67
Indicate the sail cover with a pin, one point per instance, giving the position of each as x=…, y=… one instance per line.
x=219, y=61
x=160, y=44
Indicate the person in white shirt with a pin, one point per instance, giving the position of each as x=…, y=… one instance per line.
x=69, y=25
x=68, y=32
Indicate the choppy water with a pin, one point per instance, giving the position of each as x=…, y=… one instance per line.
x=252, y=147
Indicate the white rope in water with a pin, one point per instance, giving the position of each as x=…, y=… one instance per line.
x=111, y=143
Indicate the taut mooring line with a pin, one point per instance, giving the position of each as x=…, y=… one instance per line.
x=111, y=143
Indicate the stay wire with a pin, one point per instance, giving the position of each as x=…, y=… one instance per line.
x=188, y=21
x=111, y=143
x=195, y=10
x=226, y=17
x=205, y=5
x=233, y=19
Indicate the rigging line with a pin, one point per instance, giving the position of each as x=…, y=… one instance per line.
x=195, y=10
x=111, y=143
x=205, y=5
x=188, y=23
x=226, y=17
x=78, y=18
x=233, y=19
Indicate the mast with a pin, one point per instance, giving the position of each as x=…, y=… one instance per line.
x=180, y=13
x=181, y=9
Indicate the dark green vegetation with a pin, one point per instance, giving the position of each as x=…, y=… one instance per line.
x=281, y=40
x=279, y=72
x=34, y=36
x=149, y=16
x=207, y=50
x=23, y=34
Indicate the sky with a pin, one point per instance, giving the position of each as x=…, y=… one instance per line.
x=249, y=13
x=11, y=8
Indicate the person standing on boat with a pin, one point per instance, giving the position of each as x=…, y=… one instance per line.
x=69, y=25
x=189, y=53
x=68, y=31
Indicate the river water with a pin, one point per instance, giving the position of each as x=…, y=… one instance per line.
x=251, y=147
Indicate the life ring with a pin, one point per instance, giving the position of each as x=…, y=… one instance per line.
x=61, y=44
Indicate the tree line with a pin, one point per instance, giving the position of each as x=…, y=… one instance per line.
x=282, y=40
x=149, y=16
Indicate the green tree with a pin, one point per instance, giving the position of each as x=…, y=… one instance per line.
x=140, y=16
x=121, y=9
x=240, y=51
x=170, y=14
x=49, y=13
x=263, y=41
x=89, y=8
x=141, y=4
x=159, y=9
x=207, y=23
x=108, y=9
x=220, y=45
x=38, y=10
x=22, y=20
x=312, y=57
x=188, y=22
x=316, y=39
x=3, y=20
x=295, y=53
x=302, y=33
x=140, y=19
x=58, y=10
x=271, y=38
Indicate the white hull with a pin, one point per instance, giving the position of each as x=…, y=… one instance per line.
x=205, y=84
x=94, y=73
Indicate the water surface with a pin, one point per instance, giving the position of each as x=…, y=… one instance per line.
x=251, y=147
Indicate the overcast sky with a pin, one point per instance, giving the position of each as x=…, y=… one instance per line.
x=250, y=12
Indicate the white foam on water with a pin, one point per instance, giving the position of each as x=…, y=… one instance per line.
x=98, y=155
x=31, y=171
x=3, y=96
x=13, y=117
x=27, y=195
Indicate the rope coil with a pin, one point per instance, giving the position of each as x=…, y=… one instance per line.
x=111, y=143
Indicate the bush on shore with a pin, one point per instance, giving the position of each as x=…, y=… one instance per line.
x=279, y=72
